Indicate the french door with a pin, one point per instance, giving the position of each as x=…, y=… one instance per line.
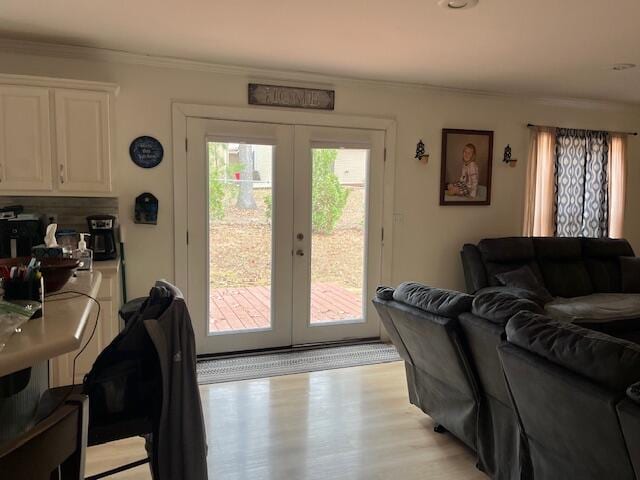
x=284, y=233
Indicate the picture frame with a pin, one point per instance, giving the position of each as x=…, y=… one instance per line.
x=465, y=173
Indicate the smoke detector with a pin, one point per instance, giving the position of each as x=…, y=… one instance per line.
x=457, y=4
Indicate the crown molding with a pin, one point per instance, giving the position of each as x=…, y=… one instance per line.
x=28, y=47
x=51, y=82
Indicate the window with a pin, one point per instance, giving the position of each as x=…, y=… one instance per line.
x=575, y=183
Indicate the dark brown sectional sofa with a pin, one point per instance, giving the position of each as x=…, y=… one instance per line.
x=531, y=398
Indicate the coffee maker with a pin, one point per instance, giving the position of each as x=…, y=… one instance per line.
x=19, y=232
x=102, y=229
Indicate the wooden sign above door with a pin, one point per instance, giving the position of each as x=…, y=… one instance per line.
x=291, y=97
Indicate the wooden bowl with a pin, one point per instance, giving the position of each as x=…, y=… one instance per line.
x=56, y=272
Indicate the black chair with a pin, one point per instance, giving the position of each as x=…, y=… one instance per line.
x=124, y=386
x=54, y=448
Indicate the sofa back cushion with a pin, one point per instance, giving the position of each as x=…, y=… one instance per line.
x=437, y=301
x=563, y=268
x=602, y=259
x=506, y=254
x=608, y=361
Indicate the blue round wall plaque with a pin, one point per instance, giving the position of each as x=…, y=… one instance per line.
x=146, y=152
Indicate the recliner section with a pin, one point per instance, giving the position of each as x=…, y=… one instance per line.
x=563, y=376
x=423, y=324
x=568, y=386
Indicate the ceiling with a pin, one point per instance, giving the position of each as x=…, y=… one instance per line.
x=536, y=47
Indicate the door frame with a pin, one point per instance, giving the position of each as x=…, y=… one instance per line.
x=182, y=111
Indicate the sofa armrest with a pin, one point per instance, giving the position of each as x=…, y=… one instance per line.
x=629, y=416
x=475, y=274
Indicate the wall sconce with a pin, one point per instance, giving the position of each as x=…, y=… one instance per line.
x=507, y=157
x=421, y=156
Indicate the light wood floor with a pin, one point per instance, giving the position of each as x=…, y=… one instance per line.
x=352, y=423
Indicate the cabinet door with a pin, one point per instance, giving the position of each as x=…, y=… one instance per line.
x=62, y=371
x=25, y=139
x=83, y=148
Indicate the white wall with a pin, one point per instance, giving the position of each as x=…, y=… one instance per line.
x=429, y=237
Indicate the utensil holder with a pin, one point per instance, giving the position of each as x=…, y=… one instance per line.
x=23, y=290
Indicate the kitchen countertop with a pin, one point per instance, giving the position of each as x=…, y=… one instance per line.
x=59, y=331
x=107, y=265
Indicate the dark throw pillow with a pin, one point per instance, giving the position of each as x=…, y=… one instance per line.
x=384, y=293
x=524, y=278
x=630, y=270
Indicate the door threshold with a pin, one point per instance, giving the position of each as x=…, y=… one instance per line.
x=289, y=349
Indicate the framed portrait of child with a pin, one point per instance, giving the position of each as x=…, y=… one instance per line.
x=465, y=177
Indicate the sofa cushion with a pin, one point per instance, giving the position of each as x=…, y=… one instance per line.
x=558, y=248
x=505, y=254
x=506, y=250
x=562, y=266
x=437, y=301
x=596, y=308
x=498, y=307
x=603, y=264
x=524, y=278
x=630, y=274
x=566, y=278
x=606, y=248
x=605, y=274
x=612, y=362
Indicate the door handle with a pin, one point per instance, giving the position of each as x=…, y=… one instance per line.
x=61, y=173
x=300, y=253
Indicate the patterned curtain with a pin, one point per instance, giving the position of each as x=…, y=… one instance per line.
x=581, y=183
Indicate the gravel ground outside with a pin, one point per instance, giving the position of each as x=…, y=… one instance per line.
x=240, y=246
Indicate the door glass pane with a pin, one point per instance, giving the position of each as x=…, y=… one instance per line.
x=240, y=236
x=338, y=219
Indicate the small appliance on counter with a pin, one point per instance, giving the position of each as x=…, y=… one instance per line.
x=102, y=229
x=18, y=235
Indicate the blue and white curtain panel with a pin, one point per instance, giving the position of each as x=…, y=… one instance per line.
x=581, y=183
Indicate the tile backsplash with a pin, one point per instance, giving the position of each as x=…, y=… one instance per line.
x=71, y=212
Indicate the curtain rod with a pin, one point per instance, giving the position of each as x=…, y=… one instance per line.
x=545, y=126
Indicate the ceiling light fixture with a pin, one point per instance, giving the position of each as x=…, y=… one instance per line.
x=623, y=66
x=457, y=4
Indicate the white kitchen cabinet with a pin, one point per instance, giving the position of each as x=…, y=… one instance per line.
x=25, y=139
x=61, y=368
x=56, y=136
x=83, y=141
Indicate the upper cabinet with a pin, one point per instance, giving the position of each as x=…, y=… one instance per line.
x=82, y=139
x=25, y=139
x=55, y=137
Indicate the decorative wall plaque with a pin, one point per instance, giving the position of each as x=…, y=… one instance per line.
x=146, y=152
x=291, y=97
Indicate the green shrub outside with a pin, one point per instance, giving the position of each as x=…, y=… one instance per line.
x=328, y=197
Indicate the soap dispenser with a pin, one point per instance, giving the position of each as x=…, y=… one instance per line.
x=83, y=254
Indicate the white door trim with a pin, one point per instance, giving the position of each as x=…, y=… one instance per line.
x=182, y=111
